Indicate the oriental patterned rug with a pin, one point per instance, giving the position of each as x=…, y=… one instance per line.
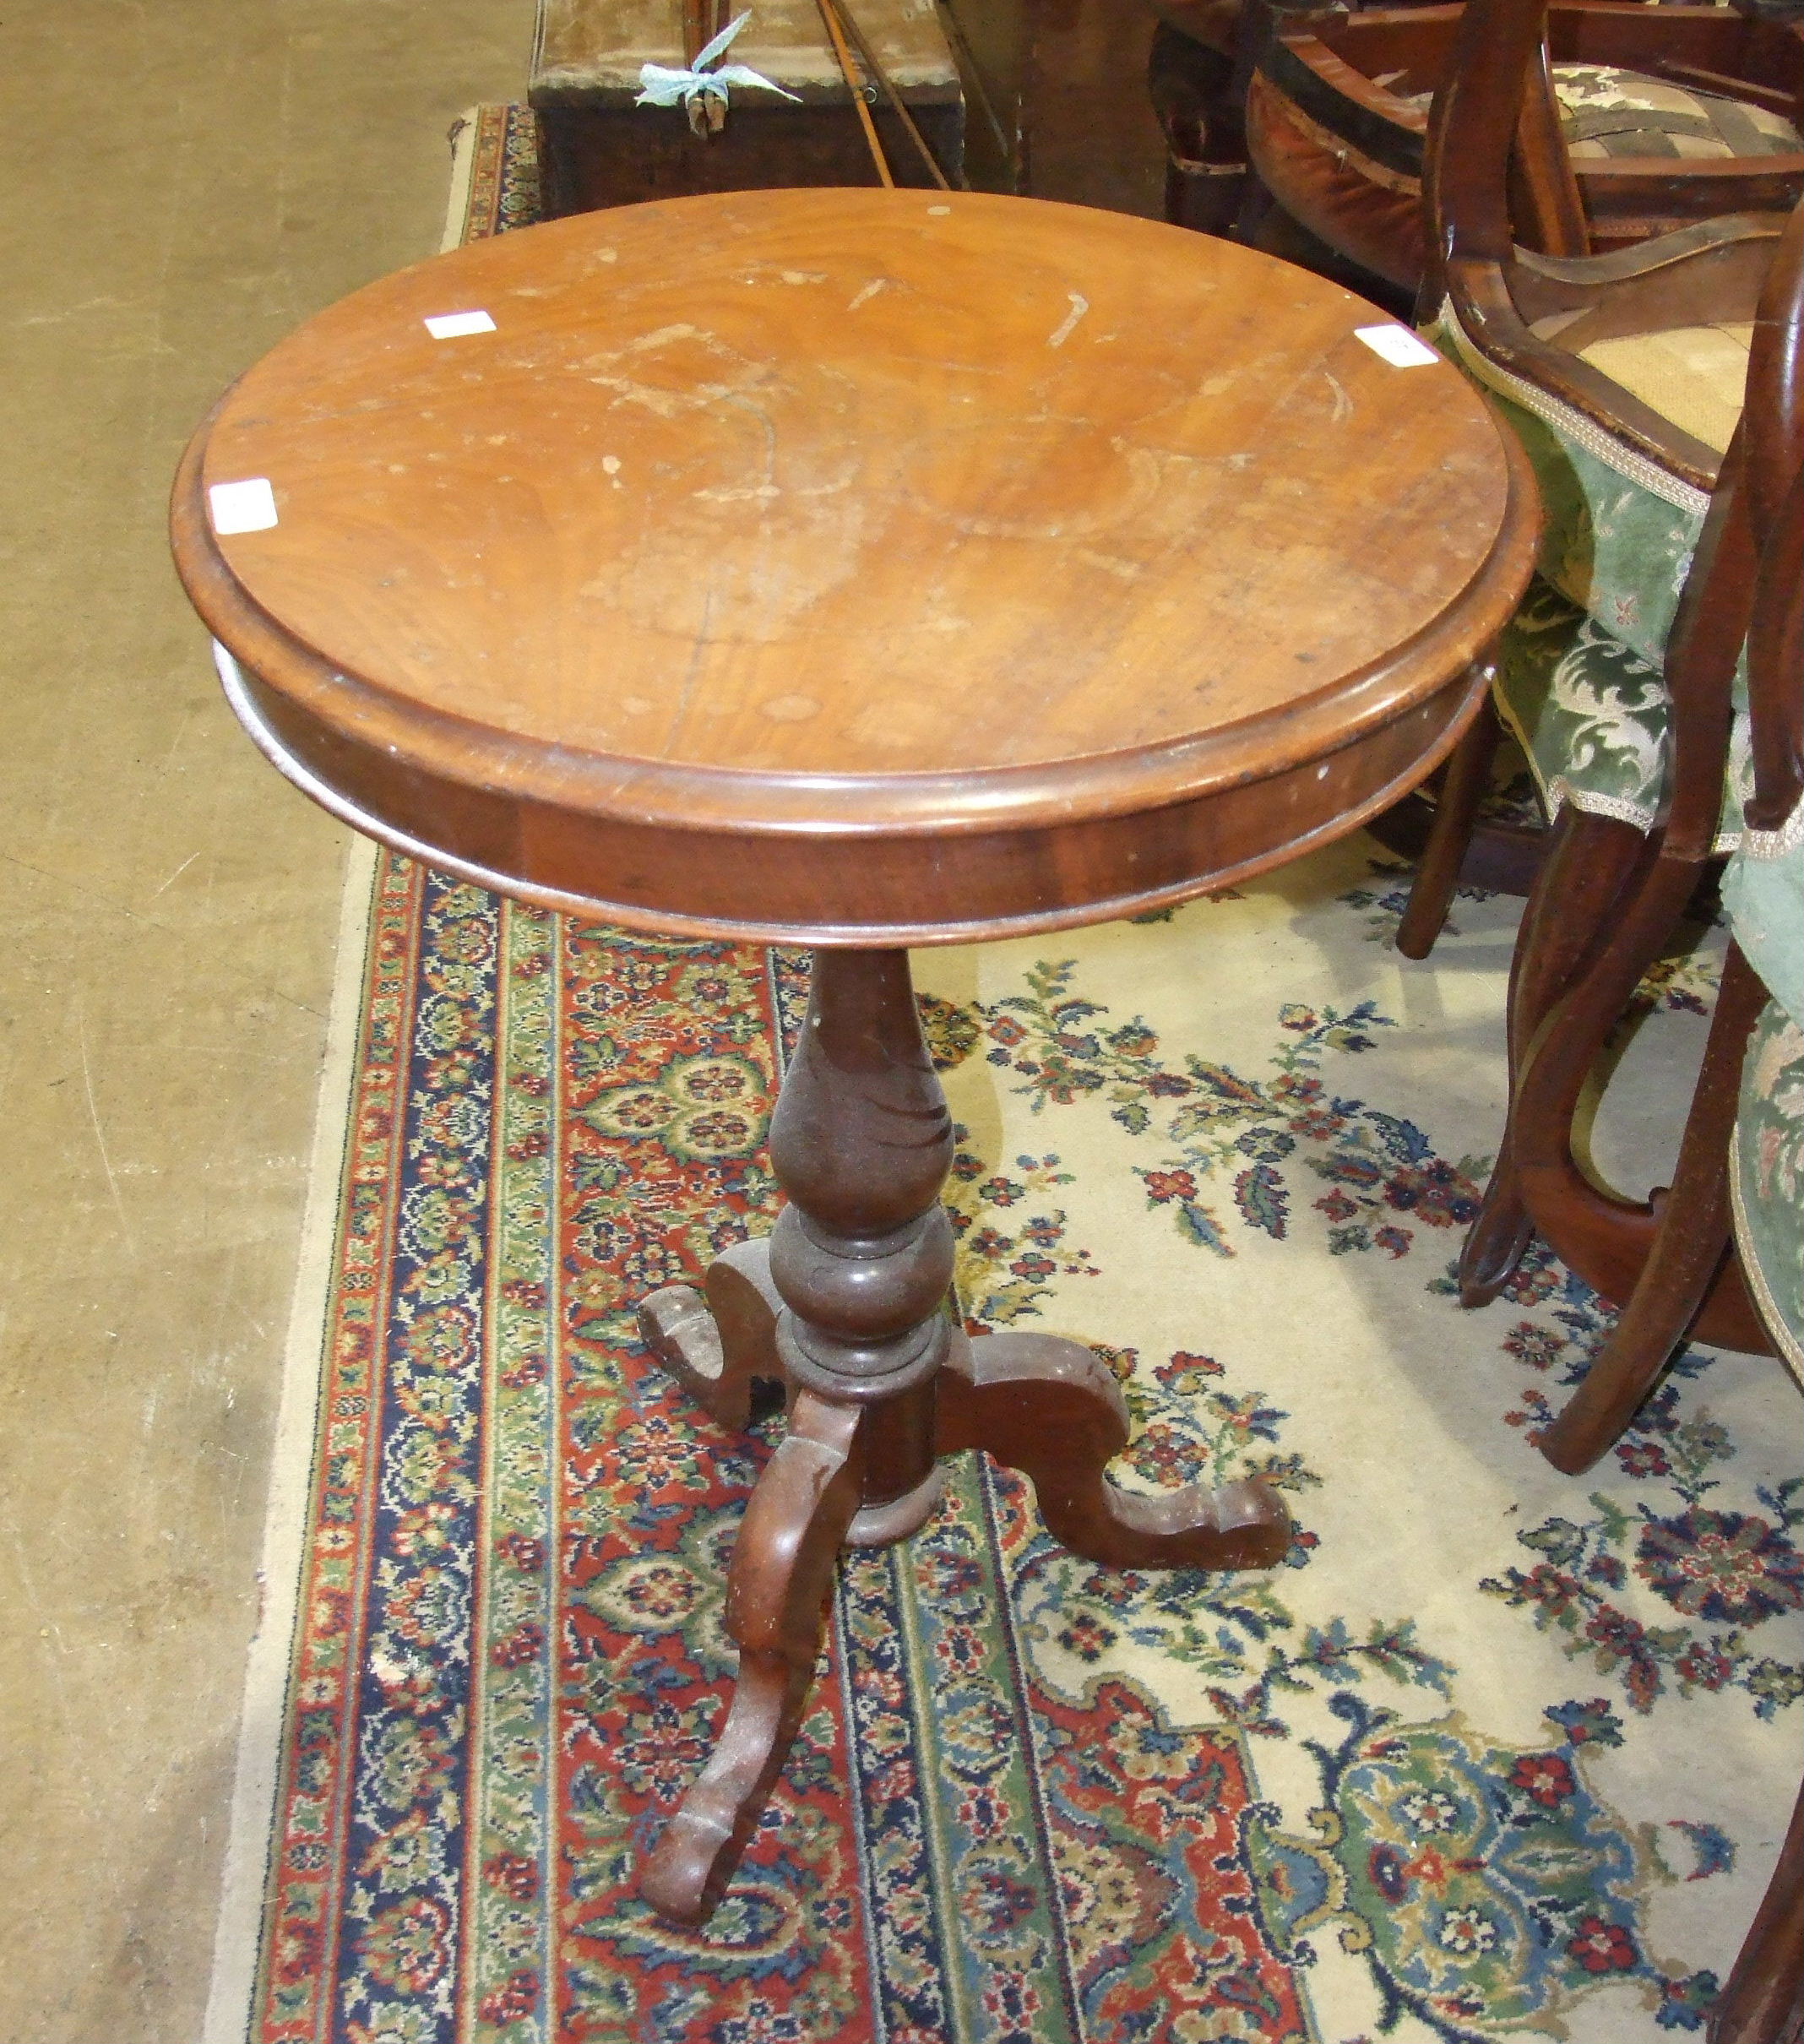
x=1496, y=1753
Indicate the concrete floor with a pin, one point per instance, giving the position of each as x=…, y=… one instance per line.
x=185, y=183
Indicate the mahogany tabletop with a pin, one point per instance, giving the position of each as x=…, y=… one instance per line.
x=854, y=566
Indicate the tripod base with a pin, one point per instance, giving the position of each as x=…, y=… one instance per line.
x=1045, y=1407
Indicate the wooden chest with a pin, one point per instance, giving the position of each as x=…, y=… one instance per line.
x=598, y=148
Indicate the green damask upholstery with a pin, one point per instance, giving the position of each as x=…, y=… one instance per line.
x=1590, y=713
x=1766, y=1175
x=1579, y=670
x=1763, y=892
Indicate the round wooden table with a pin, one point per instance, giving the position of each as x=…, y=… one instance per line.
x=860, y=570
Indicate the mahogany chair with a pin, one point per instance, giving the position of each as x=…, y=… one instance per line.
x=1620, y=671
x=1660, y=368
x=1735, y=1197
x=1200, y=68
x=1741, y=1170
x=1667, y=115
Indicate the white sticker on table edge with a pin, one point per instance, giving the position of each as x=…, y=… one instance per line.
x=452, y=326
x=241, y=506
x=1399, y=347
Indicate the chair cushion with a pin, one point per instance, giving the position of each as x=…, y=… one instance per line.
x=1694, y=376
x=1605, y=111
x=1763, y=890
x=1766, y=1177
x=1580, y=671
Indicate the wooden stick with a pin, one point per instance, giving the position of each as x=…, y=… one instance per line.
x=973, y=78
x=702, y=21
x=695, y=33
x=867, y=56
x=855, y=88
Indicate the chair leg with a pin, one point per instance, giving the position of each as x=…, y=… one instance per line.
x=1468, y=776
x=1194, y=100
x=1591, y=861
x=1175, y=193
x=1203, y=195
x=1596, y=1232
x=1691, y=1242
x=1763, y=2003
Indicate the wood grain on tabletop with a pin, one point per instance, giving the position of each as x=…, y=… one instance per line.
x=845, y=506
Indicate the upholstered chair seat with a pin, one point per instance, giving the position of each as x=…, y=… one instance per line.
x=1694, y=376
x=1609, y=110
x=1766, y=1177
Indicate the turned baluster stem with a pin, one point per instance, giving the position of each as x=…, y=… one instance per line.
x=862, y=1255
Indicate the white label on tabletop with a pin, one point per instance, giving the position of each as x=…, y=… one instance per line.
x=243, y=507
x=452, y=326
x=1399, y=347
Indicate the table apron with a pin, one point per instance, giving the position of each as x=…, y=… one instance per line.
x=821, y=887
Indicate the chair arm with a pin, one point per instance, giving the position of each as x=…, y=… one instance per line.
x=1490, y=318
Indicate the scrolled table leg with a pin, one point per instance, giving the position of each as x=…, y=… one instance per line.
x=721, y=1346
x=776, y=1595
x=1051, y=1408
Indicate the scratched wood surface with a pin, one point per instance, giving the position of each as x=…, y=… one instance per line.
x=807, y=513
